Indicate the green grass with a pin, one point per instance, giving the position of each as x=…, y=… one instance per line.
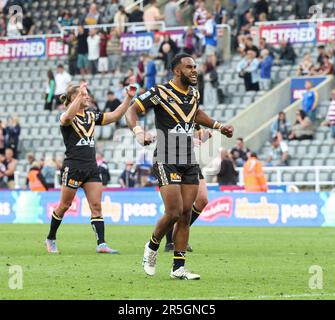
x=234, y=263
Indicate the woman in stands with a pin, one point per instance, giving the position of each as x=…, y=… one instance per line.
x=80, y=168
x=50, y=91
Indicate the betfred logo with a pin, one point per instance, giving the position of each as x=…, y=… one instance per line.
x=222, y=207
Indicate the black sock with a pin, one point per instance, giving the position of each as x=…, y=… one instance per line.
x=178, y=259
x=98, y=227
x=55, y=223
x=195, y=214
x=154, y=243
x=169, y=236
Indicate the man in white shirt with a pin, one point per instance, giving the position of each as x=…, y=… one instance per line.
x=62, y=80
x=93, y=42
x=278, y=155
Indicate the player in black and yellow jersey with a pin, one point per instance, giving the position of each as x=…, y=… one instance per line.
x=176, y=108
x=80, y=168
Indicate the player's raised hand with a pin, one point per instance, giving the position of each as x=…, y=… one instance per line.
x=227, y=130
x=83, y=89
x=145, y=138
x=131, y=91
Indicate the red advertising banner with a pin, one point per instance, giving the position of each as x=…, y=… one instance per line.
x=325, y=31
x=56, y=47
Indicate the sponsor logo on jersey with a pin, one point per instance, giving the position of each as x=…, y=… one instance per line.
x=86, y=142
x=144, y=95
x=185, y=128
x=175, y=177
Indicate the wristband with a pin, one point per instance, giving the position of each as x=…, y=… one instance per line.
x=137, y=130
x=217, y=125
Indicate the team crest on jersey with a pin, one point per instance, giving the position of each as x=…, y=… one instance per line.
x=185, y=128
x=86, y=142
x=175, y=177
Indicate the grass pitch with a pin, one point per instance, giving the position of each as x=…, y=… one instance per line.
x=234, y=263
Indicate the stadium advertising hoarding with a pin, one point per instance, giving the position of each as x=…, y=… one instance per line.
x=145, y=207
x=297, y=87
x=32, y=48
x=307, y=32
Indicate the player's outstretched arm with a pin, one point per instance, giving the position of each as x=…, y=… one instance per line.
x=143, y=138
x=67, y=117
x=118, y=113
x=204, y=120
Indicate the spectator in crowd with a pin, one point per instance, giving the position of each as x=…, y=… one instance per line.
x=2, y=26
x=103, y=169
x=227, y=174
x=151, y=16
x=306, y=66
x=13, y=131
x=263, y=17
x=210, y=85
x=242, y=7
x=249, y=45
x=120, y=19
x=93, y=42
x=49, y=172
x=186, y=13
x=168, y=56
x=287, y=55
x=114, y=51
x=330, y=120
x=171, y=14
x=210, y=37
x=247, y=69
x=150, y=72
x=200, y=14
x=72, y=55
x=154, y=50
x=264, y=45
x=239, y=153
x=103, y=58
x=2, y=137
x=49, y=91
x=140, y=76
x=281, y=128
x=82, y=50
x=248, y=22
x=28, y=25
x=220, y=13
x=30, y=158
x=191, y=42
x=173, y=45
x=65, y=19
x=302, y=8
x=241, y=44
x=62, y=80
x=3, y=179
x=93, y=15
x=132, y=81
x=136, y=15
x=35, y=180
x=261, y=6
x=126, y=79
x=253, y=175
x=303, y=128
x=112, y=102
x=265, y=64
x=119, y=91
x=128, y=176
x=10, y=166
x=110, y=11
x=327, y=67
x=14, y=27
x=278, y=155
x=310, y=101
x=321, y=55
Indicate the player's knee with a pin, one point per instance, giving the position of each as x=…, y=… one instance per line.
x=201, y=203
x=95, y=207
x=175, y=213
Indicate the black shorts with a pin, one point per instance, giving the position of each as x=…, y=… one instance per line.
x=75, y=177
x=201, y=176
x=176, y=174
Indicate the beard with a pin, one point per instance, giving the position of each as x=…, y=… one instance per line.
x=186, y=81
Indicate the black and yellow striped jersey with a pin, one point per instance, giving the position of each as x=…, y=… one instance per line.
x=79, y=138
x=175, y=111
